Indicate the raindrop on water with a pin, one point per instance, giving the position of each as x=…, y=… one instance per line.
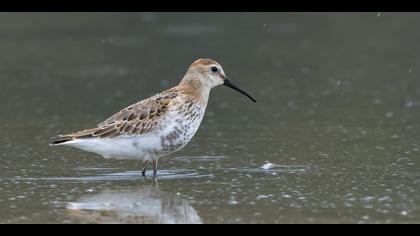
x=232, y=201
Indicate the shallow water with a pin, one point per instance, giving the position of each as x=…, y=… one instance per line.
x=333, y=137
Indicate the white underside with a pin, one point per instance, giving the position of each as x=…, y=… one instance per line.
x=122, y=147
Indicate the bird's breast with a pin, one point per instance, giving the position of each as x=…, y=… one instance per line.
x=184, y=123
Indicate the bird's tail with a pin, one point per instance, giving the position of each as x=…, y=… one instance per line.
x=66, y=138
x=60, y=139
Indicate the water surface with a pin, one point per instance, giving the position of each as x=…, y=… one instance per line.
x=333, y=138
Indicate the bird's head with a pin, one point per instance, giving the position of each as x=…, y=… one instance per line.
x=207, y=74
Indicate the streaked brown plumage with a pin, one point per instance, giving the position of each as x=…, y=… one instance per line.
x=157, y=126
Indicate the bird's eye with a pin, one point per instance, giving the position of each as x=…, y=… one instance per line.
x=214, y=69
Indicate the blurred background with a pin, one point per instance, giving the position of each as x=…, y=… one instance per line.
x=333, y=137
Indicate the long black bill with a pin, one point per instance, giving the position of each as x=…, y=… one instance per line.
x=232, y=85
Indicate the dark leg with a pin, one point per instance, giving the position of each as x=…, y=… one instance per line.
x=155, y=165
x=145, y=164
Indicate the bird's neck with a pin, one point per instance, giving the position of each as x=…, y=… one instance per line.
x=193, y=87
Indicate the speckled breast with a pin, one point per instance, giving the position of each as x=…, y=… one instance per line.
x=185, y=124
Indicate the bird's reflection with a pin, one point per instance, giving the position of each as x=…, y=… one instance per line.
x=144, y=204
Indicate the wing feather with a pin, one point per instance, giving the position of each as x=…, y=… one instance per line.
x=138, y=119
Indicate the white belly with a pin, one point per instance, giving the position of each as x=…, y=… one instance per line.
x=122, y=147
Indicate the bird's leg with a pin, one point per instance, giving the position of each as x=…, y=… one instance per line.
x=155, y=165
x=145, y=164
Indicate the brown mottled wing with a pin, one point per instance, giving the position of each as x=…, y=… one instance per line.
x=137, y=119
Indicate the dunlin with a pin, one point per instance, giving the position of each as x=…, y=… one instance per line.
x=157, y=126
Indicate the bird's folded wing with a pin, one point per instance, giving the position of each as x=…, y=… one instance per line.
x=138, y=119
